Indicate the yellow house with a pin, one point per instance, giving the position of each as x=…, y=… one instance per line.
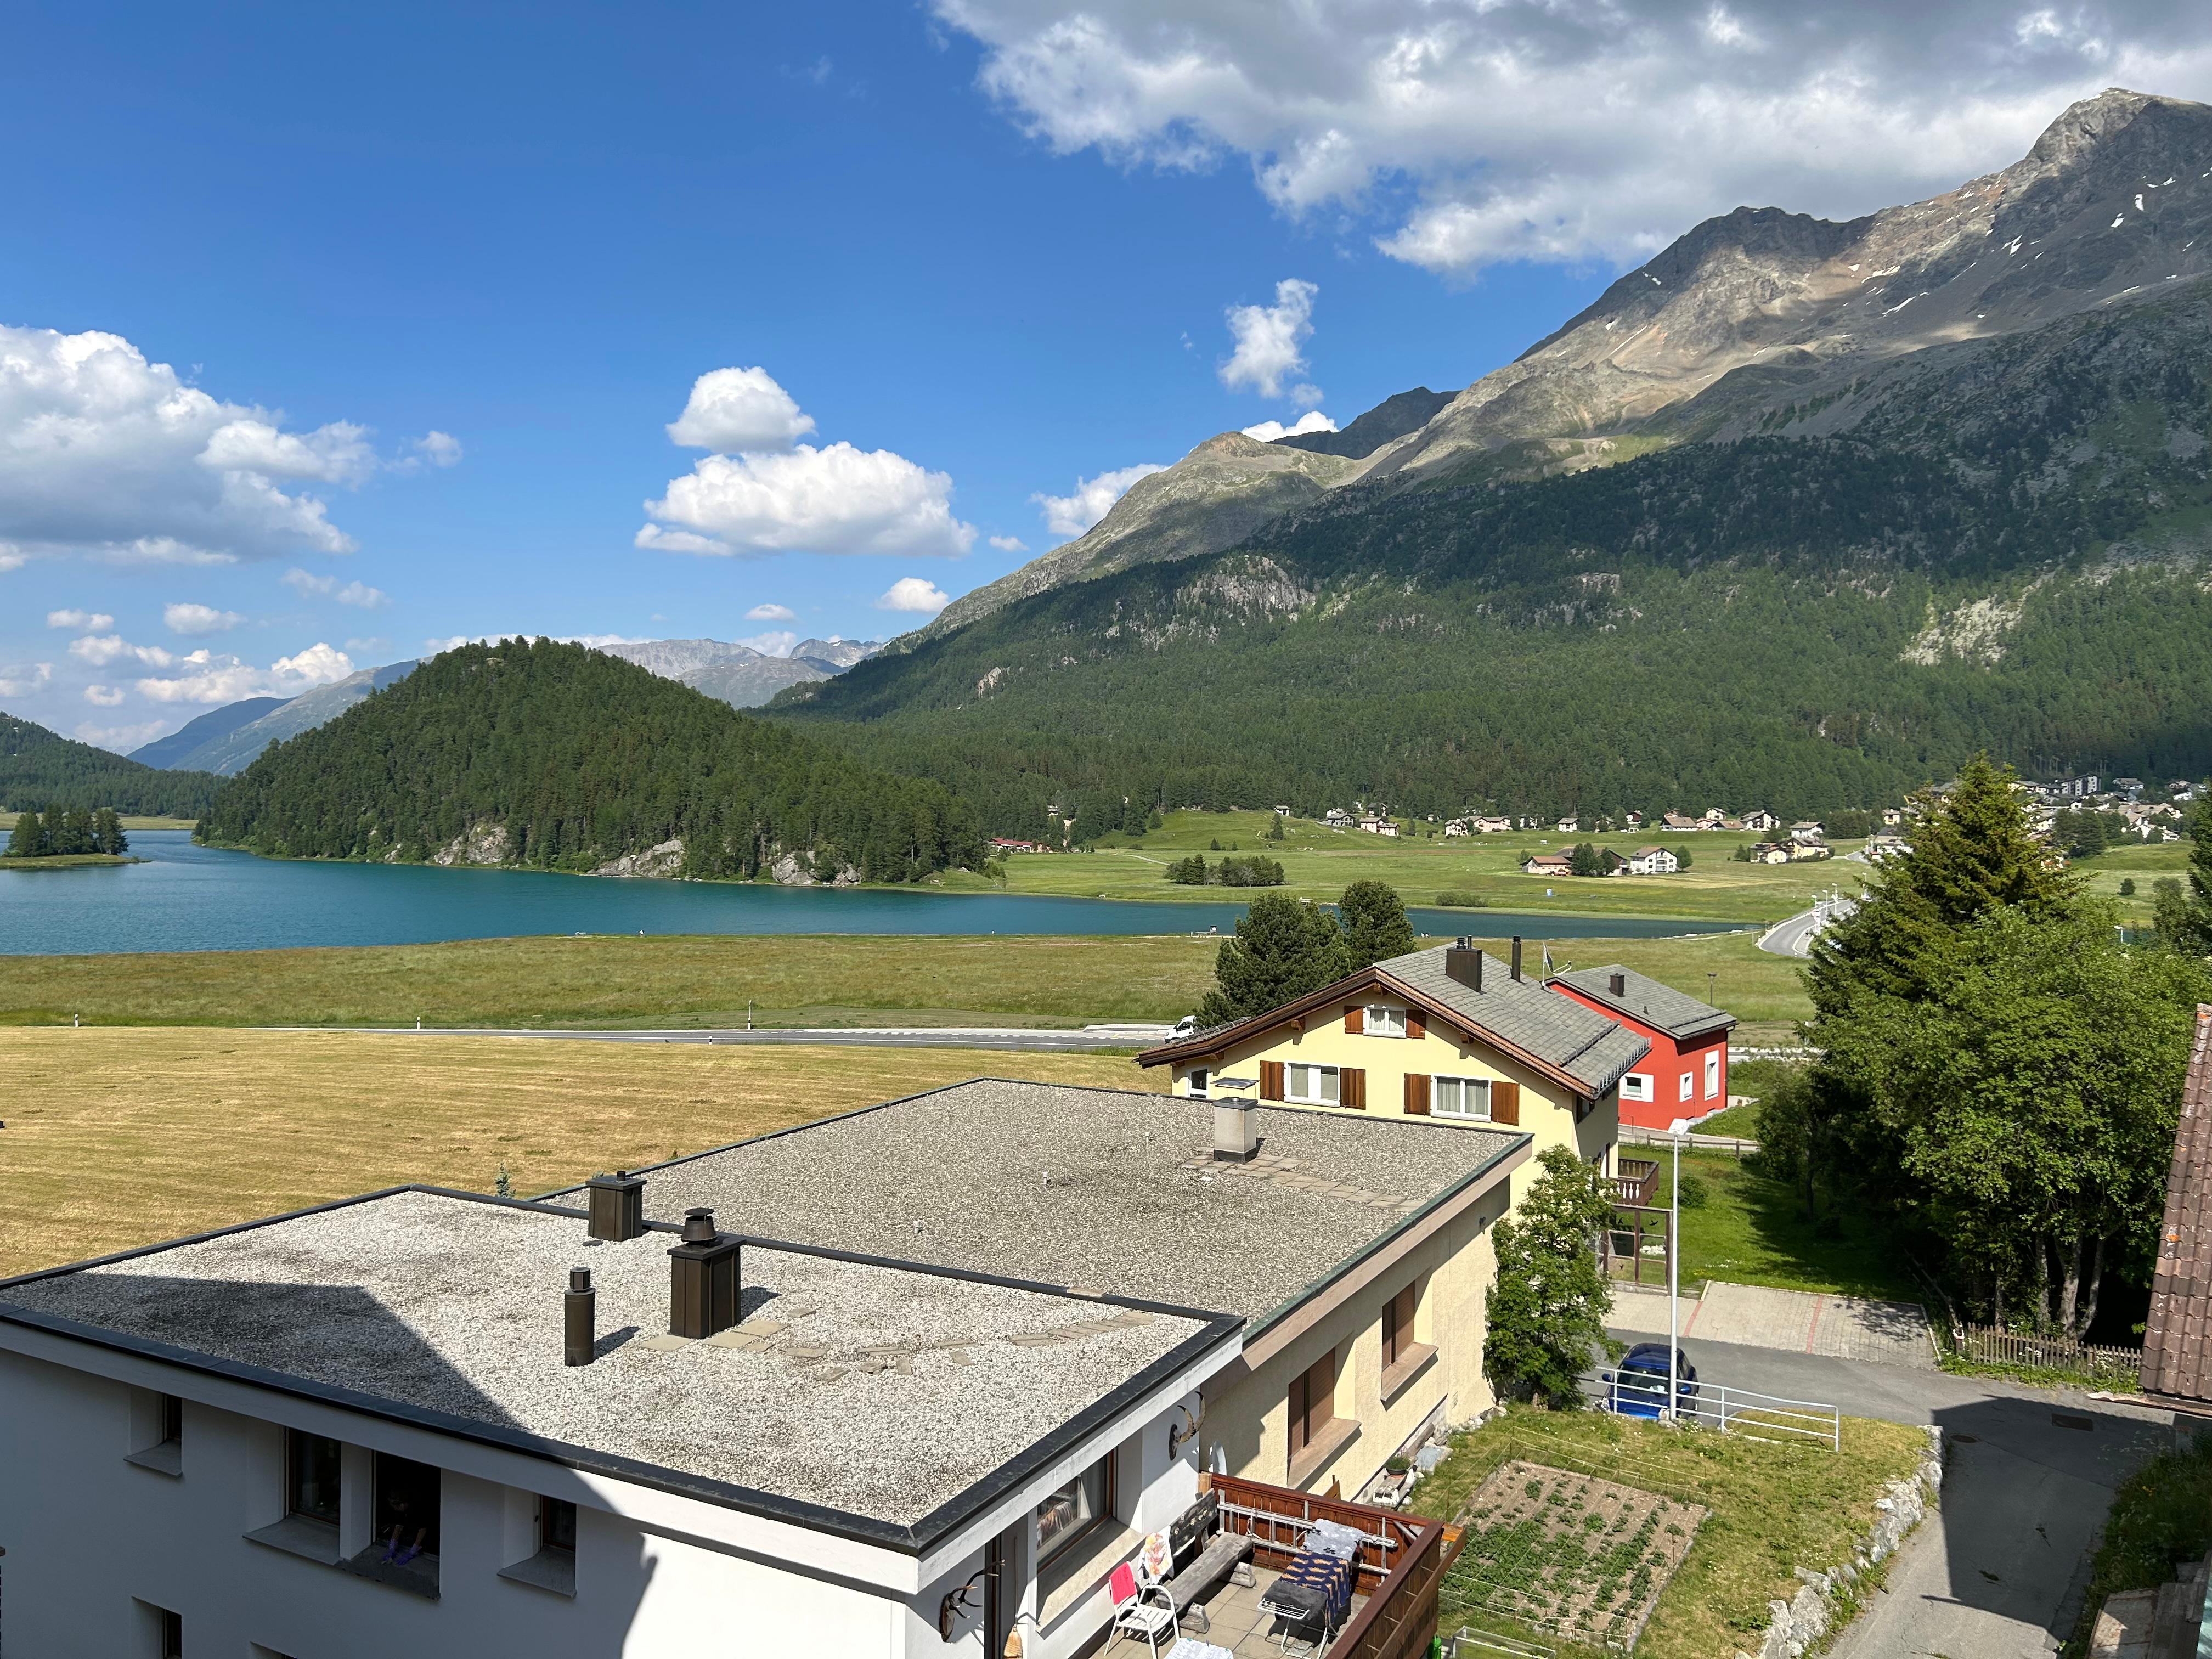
x=1449, y=1034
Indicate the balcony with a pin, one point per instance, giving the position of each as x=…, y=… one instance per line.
x=1637, y=1179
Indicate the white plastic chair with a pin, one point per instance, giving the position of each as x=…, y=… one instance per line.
x=1132, y=1585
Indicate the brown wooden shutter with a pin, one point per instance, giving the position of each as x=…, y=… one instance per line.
x=1415, y=1026
x=1416, y=1094
x=1351, y=1088
x=1271, y=1080
x=1355, y=1020
x=1505, y=1102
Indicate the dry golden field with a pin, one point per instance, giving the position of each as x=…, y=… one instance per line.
x=119, y=1136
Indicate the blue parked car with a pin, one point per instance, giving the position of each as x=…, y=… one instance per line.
x=1638, y=1387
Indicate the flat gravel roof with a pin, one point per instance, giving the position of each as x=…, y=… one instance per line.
x=1105, y=1190
x=874, y=1391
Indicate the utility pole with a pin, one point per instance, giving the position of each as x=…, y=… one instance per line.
x=1674, y=1275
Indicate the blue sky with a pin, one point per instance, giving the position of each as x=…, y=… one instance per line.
x=452, y=272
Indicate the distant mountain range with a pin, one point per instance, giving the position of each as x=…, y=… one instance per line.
x=227, y=740
x=1798, y=512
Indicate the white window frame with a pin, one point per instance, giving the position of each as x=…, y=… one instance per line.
x=1713, y=1076
x=1295, y=1070
x=1201, y=1082
x=1689, y=1086
x=1381, y=1019
x=1636, y=1086
x=1465, y=1085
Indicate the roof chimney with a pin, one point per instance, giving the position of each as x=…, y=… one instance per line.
x=1236, y=1135
x=702, y=1286
x=617, y=1206
x=1618, y=984
x=1464, y=962
x=1516, y=958
x=579, y=1318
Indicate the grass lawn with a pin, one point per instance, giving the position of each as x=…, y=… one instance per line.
x=706, y=979
x=8, y=822
x=1773, y=1508
x=1320, y=863
x=64, y=861
x=118, y=1138
x=1747, y=1229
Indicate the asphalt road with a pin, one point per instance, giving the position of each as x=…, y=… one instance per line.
x=1090, y=1037
x=1793, y=938
x=1997, y=1572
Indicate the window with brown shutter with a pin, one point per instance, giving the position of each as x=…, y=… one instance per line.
x=1271, y=1080
x=1355, y=1019
x=1313, y=1402
x=1416, y=1094
x=1397, y=1328
x=1415, y=1025
x=1505, y=1102
x=1351, y=1087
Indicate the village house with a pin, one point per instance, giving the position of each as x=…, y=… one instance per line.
x=1492, y=825
x=1891, y=816
x=1805, y=830
x=1803, y=852
x=1886, y=846
x=1454, y=827
x=1652, y=861
x=1376, y=824
x=1684, y=1073
x=1001, y=844
x=1632, y=820
x=1568, y=825
x=1760, y=822
x=1677, y=822
x=1546, y=864
x=1337, y=819
x=1771, y=851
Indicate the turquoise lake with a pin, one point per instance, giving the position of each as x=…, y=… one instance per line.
x=194, y=899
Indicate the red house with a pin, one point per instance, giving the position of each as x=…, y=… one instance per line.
x=1685, y=1073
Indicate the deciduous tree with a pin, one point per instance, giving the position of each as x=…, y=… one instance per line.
x=1548, y=1306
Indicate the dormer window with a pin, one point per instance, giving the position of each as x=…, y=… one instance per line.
x=1380, y=1019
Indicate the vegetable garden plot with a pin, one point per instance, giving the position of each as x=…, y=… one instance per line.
x=1567, y=1554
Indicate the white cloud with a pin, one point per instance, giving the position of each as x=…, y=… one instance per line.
x=121, y=739
x=439, y=448
x=103, y=453
x=833, y=500
x=194, y=621
x=913, y=593
x=1463, y=132
x=21, y=679
x=1010, y=543
x=308, y=586
x=217, y=679
x=10, y=558
x=1271, y=342
x=771, y=613
x=86, y=621
x=106, y=696
x=777, y=642
x=1071, y=515
x=101, y=649
x=733, y=409
x=1312, y=420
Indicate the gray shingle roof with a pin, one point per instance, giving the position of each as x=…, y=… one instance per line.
x=1657, y=1005
x=1557, y=1030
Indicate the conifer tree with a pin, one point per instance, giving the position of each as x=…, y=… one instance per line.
x=1373, y=917
x=107, y=835
x=2184, y=920
x=27, y=839
x=1548, y=1305
x=1282, y=949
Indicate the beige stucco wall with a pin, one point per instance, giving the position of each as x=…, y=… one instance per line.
x=1247, y=1407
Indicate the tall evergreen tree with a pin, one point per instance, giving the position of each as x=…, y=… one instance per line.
x=2184, y=920
x=1375, y=925
x=107, y=835
x=1282, y=949
x=27, y=839
x=1548, y=1305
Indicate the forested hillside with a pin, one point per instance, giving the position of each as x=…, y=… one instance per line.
x=548, y=755
x=2000, y=549
x=40, y=768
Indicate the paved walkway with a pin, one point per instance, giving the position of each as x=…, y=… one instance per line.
x=1797, y=1322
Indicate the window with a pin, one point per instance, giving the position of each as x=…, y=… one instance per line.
x=1381, y=1020
x=1076, y=1508
x=172, y=1420
x=1314, y=1084
x=557, y=1525
x=311, y=1476
x=1687, y=1079
x=1636, y=1086
x=173, y=1635
x=1200, y=1081
x=1398, y=1328
x=1313, y=1402
x=1712, y=1074
x=403, y=1506
x=1461, y=1097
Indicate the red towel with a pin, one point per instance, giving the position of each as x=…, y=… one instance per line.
x=1122, y=1584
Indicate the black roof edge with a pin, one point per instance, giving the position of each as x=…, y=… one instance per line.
x=946, y=1519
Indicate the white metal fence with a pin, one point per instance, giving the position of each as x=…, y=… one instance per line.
x=1730, y=1411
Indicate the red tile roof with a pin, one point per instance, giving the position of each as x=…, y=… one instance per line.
x=2177, y=1356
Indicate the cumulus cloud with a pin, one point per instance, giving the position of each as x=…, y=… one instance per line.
x=771, y=613
x=106, y=696
x=210, y=678
x=777, y=642
x=1010, y=543
x=21, y=678
x=913, y=593
x=195, y=621
x=11, y=557
x=1270, y=342
x=309, y=585
x=734, y=410
x=1464, y=132
x=1071, y=515
x=86, y=621
x=1312, y=420
x=832, y=500
x=122, y=739
x=103, y=452
x=439, y=448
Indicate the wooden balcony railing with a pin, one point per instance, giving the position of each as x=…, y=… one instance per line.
x=1398, y=1568
x=1636, y=1178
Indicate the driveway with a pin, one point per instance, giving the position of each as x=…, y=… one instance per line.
x=1997, y=1572
x=1798, y=1322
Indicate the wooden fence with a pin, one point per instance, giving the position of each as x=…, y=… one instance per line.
x=1635, y=1135
x=1986, y=1345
